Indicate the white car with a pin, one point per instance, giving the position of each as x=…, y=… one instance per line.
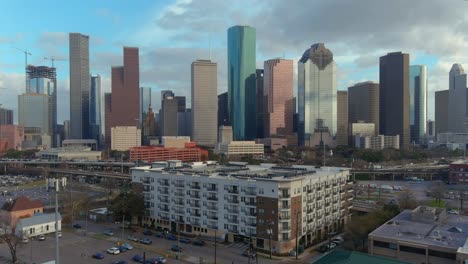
x=452, y=212
x=41, y=238
x=127, y=245
x=338, y=240
x=113, y=251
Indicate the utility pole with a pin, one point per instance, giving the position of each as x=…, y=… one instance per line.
x=57, y=186
x=215, y=245
x=297, y=235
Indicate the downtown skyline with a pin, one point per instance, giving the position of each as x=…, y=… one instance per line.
x=166, y=51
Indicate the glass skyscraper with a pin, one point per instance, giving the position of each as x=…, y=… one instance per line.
x=145, y=102
x=241, y=81
x=95, y=109
x=418, y=103
x=317, y=96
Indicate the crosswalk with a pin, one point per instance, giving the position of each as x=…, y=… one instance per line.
x=239, y=245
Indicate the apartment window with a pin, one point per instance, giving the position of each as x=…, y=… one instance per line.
x=441, y=254
x=152, y=179
x=152, y=188
x=420, y=251
x=385, y=245
x=261, y=211
x=285, y=236
x=261, y=191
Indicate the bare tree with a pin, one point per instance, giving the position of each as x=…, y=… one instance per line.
x=7, y=236
x=406, y=200
x=438, y=189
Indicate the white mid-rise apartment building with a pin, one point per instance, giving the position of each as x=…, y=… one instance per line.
x=240, y=148
x=240, y=201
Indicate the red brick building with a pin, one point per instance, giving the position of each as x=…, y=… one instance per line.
x=122, y=105
x=21, y=207
x=459, y=172
x=157, y=153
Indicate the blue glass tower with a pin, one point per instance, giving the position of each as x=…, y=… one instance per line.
x=241, y=81
x=95, y=109
x=418, y=103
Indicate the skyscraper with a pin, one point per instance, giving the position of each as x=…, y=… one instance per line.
x=278, y=94
x=441, y=111
x=181, y=102
x=95, y=124
x=342, y=118
x=223, y=113
x=457, y=100
x=166, y=93
x=123, y=104
x=169, y=107
x=260, y=103
x=43, y=80
x=363, y=104
x=204, y=102
x=34, y=116
x=79, y=86
x=145, y=102
x=317, y=96
x=418, y=103
x=149, y=126
x=6, y=116
x=395, y=96
x=241, y=81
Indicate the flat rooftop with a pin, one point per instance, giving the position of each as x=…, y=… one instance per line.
x=242, y=170
x=450, y=233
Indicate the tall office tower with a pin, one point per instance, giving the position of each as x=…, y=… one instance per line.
x=204, y=103
x=149, y=126
x=66, y=129
x=457, y=103
x=43, y=80
x=430, y=128
x=241, y=81
x=223, y=112
x=6, y=116
x=363, y=104
x=123, y=104
x=278, y=94
x=145, y=103
x=317, y=96
x=441, y=111
x=184, y=123
x=166, y=93
x=181, y=102
x=79, y=86
x=95, y=124
x=418, y=103
x=168, y=116
x=342, y=118
x=34, y=116
x=395, y=97
x=295, y=116
x=260, y=102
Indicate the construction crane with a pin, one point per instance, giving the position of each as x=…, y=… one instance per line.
x=52, y=59
x=26, y=53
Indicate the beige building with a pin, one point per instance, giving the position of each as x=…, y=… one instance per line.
x=125, y=137
x=377, y=142
x=240, y=148
x=204, y=102
x=225, y=134
x=363, y=129
x=423, y=235
x=69, y=153
x=174, y=142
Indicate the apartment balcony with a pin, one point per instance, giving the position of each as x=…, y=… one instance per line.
x=284, y=196
x=196, y=205
x=250, y=192
x=195, y=222
x=146, y=189
x=233, y=201
x=164, y=209
x=233, y=230
x=232, y=210
x=164, y=217
x=285, y=228
x=233, y=191
x=212, y=217
x=248, y=203
x=309, y=210
x=195, y=214
x=195, y=196
x=212, y=198
x=195, y=186
x=252, y=224
x=164, y=201
x=232, y=220
x=212, y=189
x=146, y=182
x=163, y=191
x=285, y=207
x=181, y=203
x=179, y=185
x=179, y=194
x=163, y=183
x=215, y=227
x=212, y=208
x=179, y=212
x=248, y=213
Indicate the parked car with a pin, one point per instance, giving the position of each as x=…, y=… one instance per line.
x=160, y=234
x=132, y=238
x=41, y=238
x=199, y=242
x=338, y=240
x=98, y=256
x=171, y=237
x=59, y=233
x=122, y=249
x=25, y=239
x=160, y=260
x=185, y=240
x=146, y=241
x=119, y=262
x=127, y=246
x=109, y=232
x=76, y=225
x=113, y=250
x=176, y=248
x=147, y=233
x=455, y=212
x=327, y=247
x=138, y=258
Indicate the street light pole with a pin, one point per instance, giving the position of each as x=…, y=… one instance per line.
x=215, y=244
x=297, y=234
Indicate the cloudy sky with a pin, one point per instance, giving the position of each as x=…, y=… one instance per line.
x=171, y=34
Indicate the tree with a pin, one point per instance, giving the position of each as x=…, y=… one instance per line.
x=438, y=189
x=406, y=200
x=128, y=205
x=12, y=241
